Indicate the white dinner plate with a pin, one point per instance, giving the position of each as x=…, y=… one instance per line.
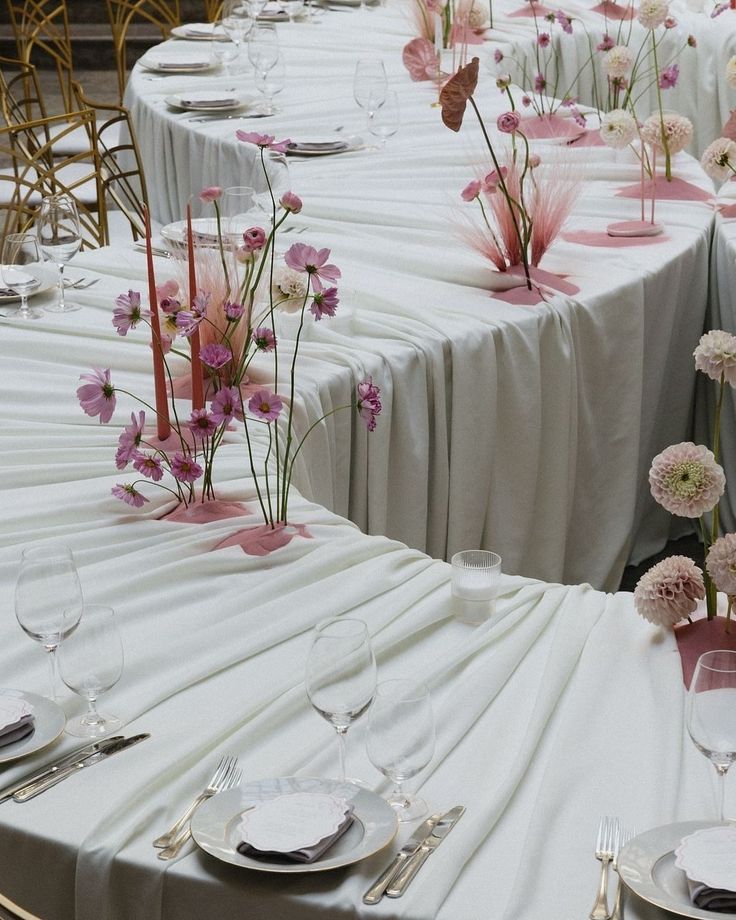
x=196, y=101
x=647, y=865
x=179, y=63
x=49, y=279
x=49, y=722
x=320, y=149
x=215, y=824
x=200, y=32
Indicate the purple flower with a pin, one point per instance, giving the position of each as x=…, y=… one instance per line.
x=303, y=258
x=149, y=465
x=200, y=303
x=254, y=239
x=265, y=405
x=668, y=77
x=471, y=190
x=185, y=469
x=170, y=304
x=264, y=141
x=215, y=355
x=539, y=83
x=291, y=202
x=127, y=313
x=130, y=440
x=543, y=39
x=129, y=494
x=721, y=8
x=508, y=122
x=187, y=323
x=233, y=311
x=606, y=44
x=498, y=55
x=264, y=339
x=564, y=20
x=97, y=397
x=324, y=303
x=201, y=424
x=368, y=403
x=225, y=405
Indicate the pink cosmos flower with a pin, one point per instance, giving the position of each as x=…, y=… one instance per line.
x=215, y=355
x=606, y=44
x=130, y=440
x=187, y=322
x=543, y=39
x=225, y=406
x=324, y=303
x=127, y=313
x=169, y=289
x=201, y=424
x=265, y=405
x=508, y=122
x=564, y=20
x=211, y=193
x=668, y=77
x=233, y=311
x=498, y=55
x=303, y=258
x=471, y=190
x=265, y=141
x=291, y=202
x=686, y=480
x=669, y=591
x=264, y=339
x=721, y=563
x=539, y=83
x=97, y=397
x=201, y=302
x=254, y=239
x=170, y=305
x=715, y=355
x=149, y=465
x=185, y=469
x=368, y=403
x=129, y=494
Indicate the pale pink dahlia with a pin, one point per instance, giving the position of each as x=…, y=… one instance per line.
x=669, y=591
x=97, y=396
x=719, y=159
x=617, y=62
x=721, y=563
x=678, y=131
x=618, y=128
x=716, y=355
x=686, y=480
x=652, y=13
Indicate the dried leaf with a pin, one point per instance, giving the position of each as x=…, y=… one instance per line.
x=456, y=92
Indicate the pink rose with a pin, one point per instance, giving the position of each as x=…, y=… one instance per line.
x=509, y=122
x=291, y=202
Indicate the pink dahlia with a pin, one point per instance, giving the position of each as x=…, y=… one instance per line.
x=184, y=468
x=149, y=465
x=715, y=355
x=291, y=202
x=129, y=494
x=127, y=313
x=215, y=355
x=130, y=440
x=264, y=141
x=368, y=402
x=97, y=397
x=313, y=262
x=721, y=563
x=225, y=405
x=669, y=591
x=324, y=303
x=201, y=424
x=264, y=339
x=686, y=480
x=265, y=405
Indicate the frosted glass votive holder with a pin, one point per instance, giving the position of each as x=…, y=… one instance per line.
x=475, y=579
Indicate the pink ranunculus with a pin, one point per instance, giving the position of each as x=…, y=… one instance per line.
x=715, y=355
x=97, y=396
x=225, y=405
x=215, y=355
x=303, y=258
x=185, y=468
x=721, y=563
x=669, y=591
x=211, y=193
x=493, y=180
x=129, y=494
x=291, y=202
x=686, y=480
x=127, y=313
x=264, y=339
x=509, y=122
x=149, y=465
x=368, y=402
x=201, y=424
x=266, y=141
x=471, y=190
x=254, y=239
x=324, y=303
x=265, y=405
x=233, y=311
x=130, y=440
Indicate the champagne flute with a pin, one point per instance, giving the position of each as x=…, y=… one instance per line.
x=48, y=599
x=341, y=675
x=370, y=84
x=400, y=739
x=91, y=662
x=22, y=270
x=60, y=237
x=384, y=117
x=269, y=83
x=711, y=712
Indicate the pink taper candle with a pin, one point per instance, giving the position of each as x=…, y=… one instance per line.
x=163, y=426
x=197, y=387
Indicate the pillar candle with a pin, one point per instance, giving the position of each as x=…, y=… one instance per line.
x=163, y=425
x=197, y=388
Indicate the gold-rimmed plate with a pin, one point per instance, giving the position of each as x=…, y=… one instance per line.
x=48, y=719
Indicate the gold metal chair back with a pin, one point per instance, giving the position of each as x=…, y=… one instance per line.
x=213, y=9
x=164, y=14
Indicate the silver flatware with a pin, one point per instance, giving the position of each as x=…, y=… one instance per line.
x=605, y=847
x=443, y=827
x=80, y=284
x=378, y=888
x=50, y=769
x=618, y=908
x=106, y=750
x=204, y=119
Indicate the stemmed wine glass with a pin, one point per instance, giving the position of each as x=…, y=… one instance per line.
x=370, y=85
x=237, y=21
x=48, y=598
x=711, y=712
x=384, y=117
x=263, y=48
x=91, y=662
x=225, y=53
x=22, y=270
x=60, y=237
x=341, y=675
x=400, y=739
x=269, y=83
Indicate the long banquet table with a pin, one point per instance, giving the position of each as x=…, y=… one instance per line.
x=526, y=430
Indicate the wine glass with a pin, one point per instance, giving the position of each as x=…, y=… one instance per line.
x=341, y=675
x=263, y=47
x=225, y=53
x=711, y=712
x=400, y=739
x=22, y=270
x=269, y=83
x=370, y=84
x=237, y=21
x=60, y=237
x=91, y=662
x=240, y=210
x=293, y=8
x=384, y=117
x=48, y=598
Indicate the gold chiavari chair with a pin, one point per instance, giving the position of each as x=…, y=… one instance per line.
x=164, y=14
x=213, y=9
x=13, y=911
x=41, y=28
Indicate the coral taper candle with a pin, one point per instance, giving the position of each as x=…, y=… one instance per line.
x=197, y=387
x=163, y=426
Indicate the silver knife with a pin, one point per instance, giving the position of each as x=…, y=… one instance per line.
x=33, y=789
x=415, y=863
x=378, y=888
x=53, y=767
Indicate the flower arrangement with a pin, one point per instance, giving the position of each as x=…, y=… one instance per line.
x=688, y=481
x=719, y=158
x=448, y=23
x=228, y=321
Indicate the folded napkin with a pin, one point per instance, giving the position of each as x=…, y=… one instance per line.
x=708, y=859
x=16, y=720
x=183, y=62
x=200, y=101
x=318, y=146
x=11, y=735
x=719, y=900
x=199, y=28
x=303, y=854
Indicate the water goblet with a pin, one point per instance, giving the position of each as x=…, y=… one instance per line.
x=60, y=237
x=91, y=662
x=384, y=117
x=370, y=84
x=263, y=47
x=48, y=599
x=270, y=83
x=22, y=270
x=400, y=739
x=341, y=675
x=711, y=713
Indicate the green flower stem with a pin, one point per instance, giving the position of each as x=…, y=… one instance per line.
x=306, y=435
x=252, y=464
x=711, y=599
x=265, y=470
x=221, y=248
x=665, y=144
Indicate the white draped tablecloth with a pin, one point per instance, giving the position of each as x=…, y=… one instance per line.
x=565, y=707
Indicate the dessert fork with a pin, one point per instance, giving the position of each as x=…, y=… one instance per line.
x=606, y=845
x=626, y=835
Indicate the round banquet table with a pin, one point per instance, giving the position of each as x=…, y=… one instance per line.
x=525, y=430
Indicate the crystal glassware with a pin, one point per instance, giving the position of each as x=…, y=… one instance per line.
x=237, y=21
x=91, y=662
x=400, y=739
x=475, y=579
x=370, y=84
x=263, y=47
x=711, y=713
x=22, y=270
x=384, y=117
x=269, y=83
x=225, y=53
x=341, y=675
x=60, y=237
x=48, y=599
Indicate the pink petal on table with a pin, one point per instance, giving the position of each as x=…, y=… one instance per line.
x=602, y=239
x=420, y=59
x=676, y=190
x=260, y=541
x=615, y=11
x=206, y=512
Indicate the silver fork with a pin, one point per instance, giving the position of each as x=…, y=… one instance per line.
x=606, y=845
x=626, y=835
x=80, y=284
x=225, y=768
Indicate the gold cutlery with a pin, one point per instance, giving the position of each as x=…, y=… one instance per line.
x=378, y=888
x=605, y=847
x=410, y=868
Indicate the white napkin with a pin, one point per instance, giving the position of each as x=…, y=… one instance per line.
x=204, y=100
x=16, y=720
x=199, y=28
x=707, y=859
x=304, y=854
x=318, y=145
x=188, y=62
